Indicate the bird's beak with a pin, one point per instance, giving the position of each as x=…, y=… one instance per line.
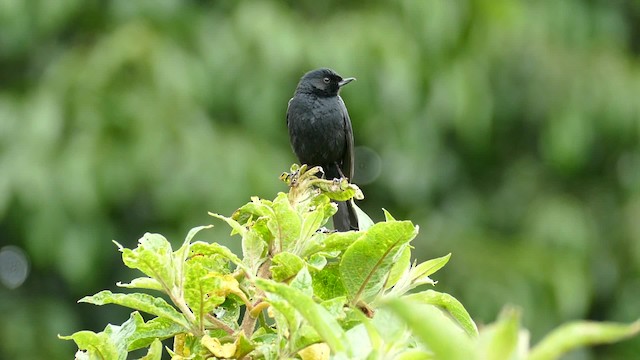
x=344, y=82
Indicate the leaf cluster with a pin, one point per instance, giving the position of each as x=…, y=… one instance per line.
x=301, y=291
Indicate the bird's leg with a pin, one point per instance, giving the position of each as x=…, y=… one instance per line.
x=339, y=170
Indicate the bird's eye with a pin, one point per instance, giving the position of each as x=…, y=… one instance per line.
x=326, y=80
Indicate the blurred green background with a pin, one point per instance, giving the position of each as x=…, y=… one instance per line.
x=508, y=130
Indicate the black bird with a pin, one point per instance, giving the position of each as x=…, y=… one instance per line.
x=321, y=134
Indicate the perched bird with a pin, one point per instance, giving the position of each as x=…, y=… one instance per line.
x=321, y=134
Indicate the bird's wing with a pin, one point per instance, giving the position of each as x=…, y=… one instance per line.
x=288, y=105
x=348, y=159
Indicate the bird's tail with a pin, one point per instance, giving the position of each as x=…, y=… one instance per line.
x=345, y=219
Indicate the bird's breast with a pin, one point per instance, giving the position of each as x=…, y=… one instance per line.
x=317, y=130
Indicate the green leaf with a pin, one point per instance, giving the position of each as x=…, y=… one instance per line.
x=189, y=238
x=327, y=283
x=501, y=339
x=98, y=346
x=389, y=328
x=155, y=351
x=257, y=208
x=399, y=268
x=254, y=250
x=228, y=312
x=115, y=341
x=236, y=227
x=339, y=189
x=321, y=202
x=260, y=226
x=336, y=241
x=201, y=291
x=449, y=304
x=200, y=248
x=285, y=266
x=360, y=339
x=364, y=221
x=434, y=329
x=336, y=307
x=287, y=319
x=581, y=333
x=143, y=302
x=302, y=281
x=142, y=283
x=180, y=255
x=243, y=346
x=146, y=333
x=387, y=215
x=285, y=225
x=317, y=261
x=314, y=216
x=365, y=264
x=427, y=268
x=153, y=257
x=315, y=314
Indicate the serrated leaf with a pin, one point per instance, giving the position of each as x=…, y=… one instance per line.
x=153, y=257
x=143, y=302
x=142, y=283
x=581, y=333
x=285, y=266
x=313, y=313
x=366, y=263
x=434, y=329
x=450, y=305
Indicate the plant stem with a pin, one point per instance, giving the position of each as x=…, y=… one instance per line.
x=248, y=321
x=219, y=324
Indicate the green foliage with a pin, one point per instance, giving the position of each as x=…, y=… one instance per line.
x=307, y=293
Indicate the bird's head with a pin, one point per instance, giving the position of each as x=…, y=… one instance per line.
x=322, y=82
